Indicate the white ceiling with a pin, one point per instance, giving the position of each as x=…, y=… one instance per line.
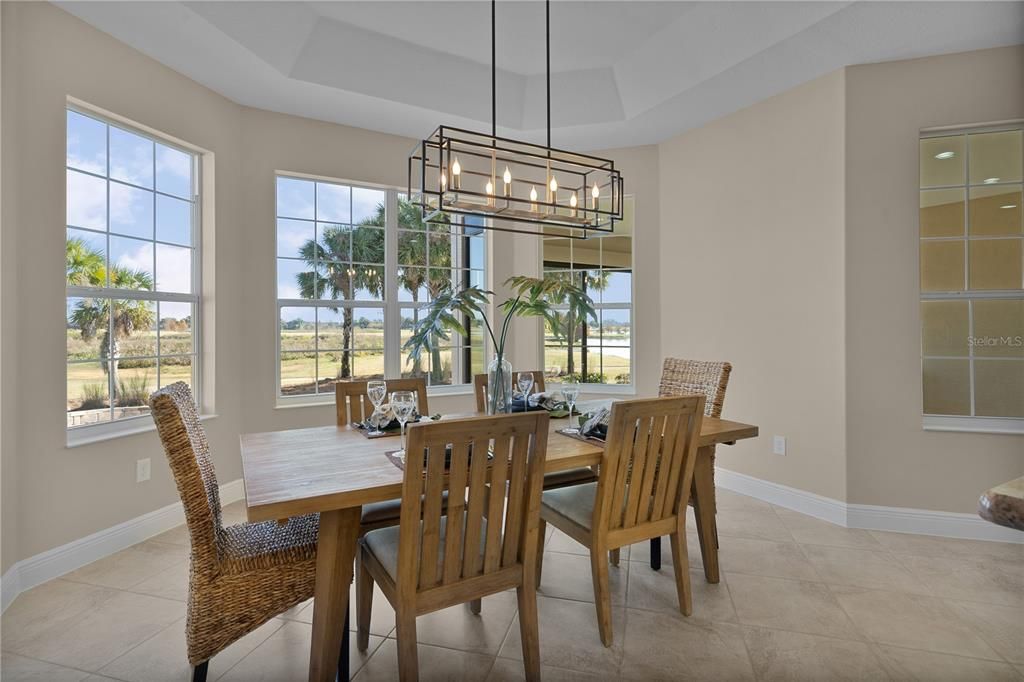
x=624, y=72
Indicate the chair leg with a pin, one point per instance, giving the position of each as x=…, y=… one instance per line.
x=199, y=672
x=474, y=606
x=681, y=566
x=529, y=630
x=656, y=553
x=364, y=605
x=602, y=595
x=613, y=557
x=343, y=653
x=405, y=626
x=542, y=532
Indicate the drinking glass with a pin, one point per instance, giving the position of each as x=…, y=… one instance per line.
x=525, y=382
x=571, y=391
x=403, y=403
x=376, y=391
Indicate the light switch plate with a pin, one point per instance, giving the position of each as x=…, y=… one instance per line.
x=779, y=445
x=142, y=470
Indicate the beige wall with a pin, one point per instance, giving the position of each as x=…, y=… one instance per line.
x=752, y=273
x=890, y=460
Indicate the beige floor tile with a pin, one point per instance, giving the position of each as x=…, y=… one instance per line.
x=744, y=523
x=129, y=567
x=924, y=666
x=170, y=583
x=1002, y=627
x=569, y=637
x=175, y=536
x=14, y=668
x=105, y=632
x=457, y=628
x=164, y=657
x=862, y=568
x=662, y=647
x=382, y=615
x=568, y=576
x=764, y=557
x=656, y=591
x=434, y=663
x=986, y=580
x=789, y=656
x=794, y=605
x=560, y=542
x=930, y=545
x=47, y=607
x=284, y=656
x=912, y=621
x=641, y=551
x=233, y=513
x=809, y=530
x=100, y=678
x=507, y=670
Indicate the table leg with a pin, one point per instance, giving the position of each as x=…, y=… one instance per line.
x=339, y=530
x=704, y=509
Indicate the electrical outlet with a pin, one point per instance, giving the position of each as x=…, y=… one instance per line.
x=779, y=445
x=142, y=470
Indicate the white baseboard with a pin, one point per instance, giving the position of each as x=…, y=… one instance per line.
x=866, y=516
x=58, y=561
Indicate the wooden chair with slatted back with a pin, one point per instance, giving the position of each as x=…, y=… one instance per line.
x=473, y=551
x=353, y=405
x=641, y=492
x=480, y=387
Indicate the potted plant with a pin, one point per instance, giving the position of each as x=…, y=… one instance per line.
x=554, y=298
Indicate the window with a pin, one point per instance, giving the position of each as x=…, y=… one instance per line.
x=598, y=353
x=132, y=269
x=972, y=279
x=341, y=315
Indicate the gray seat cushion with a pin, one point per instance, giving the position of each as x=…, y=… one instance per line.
x=389, y=511
x=575, y=502
x=383, y=544
x=560, y=479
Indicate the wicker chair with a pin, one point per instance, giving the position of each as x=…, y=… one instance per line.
x=243, y=575
x=685, y=377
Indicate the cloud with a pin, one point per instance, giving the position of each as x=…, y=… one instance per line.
x=86, y=201
x=173, y=268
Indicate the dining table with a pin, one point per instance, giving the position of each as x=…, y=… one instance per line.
x=335, y=470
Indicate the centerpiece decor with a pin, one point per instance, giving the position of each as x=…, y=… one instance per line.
x=554, y=298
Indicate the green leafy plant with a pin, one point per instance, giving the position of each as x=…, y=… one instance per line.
x=94, y=397
x=133, y=391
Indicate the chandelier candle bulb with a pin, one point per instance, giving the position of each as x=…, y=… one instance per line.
x=572, y=203
x=595, y=194
x=533, y=199
x=507, y=179
x=456, y=174
x=489, y=190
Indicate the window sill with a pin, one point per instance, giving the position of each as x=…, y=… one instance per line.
x=993, y=425
x=87, y=435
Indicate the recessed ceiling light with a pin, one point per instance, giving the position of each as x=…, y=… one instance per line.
x=945, y=155
x=991, y=181
x=1008, y=206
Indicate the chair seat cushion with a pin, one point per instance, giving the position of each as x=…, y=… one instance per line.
x=575, y=502
x=383, y=545
x=253, y=546
x=389, y=511
x=560, y=479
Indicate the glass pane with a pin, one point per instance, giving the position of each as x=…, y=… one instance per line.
x=942, y=266
x=336, y=281
x=334, y=328
x=295, y=237
x=996, y=210
x=88, y=397
x=615, y=328
x=131, y=263
x=587, y=253
x=131, y=158
x=367, y=364
x=999, y=328
x=175, y=369
x=333, y=203
x=477, y=340
x=947, y=388
x=476, y=279
x=133, y=387
x=476, y=252
x=996, y=264
x=368, y=329
x=87, y=143
x=86, y=201
x=558, y=363
x=440, y=280
x=369, y=281
x=368, y=206
x=412, y=284
x=942, y=213
x=616, y=287
x=173, y=171
x=995, y=157
x=173, y=220
x=332, y=366
x=134, y=325
x=131, y=211
x=298, y=373
x=334, y=242
x=944, y=328
x=420, y=368
x=175, y=328
x=942, y=161
x=294, y=279
x=296, y=198
x=440, y=248
x=410, y=216
x=368, y=245
x=412, y=248
x=173, y=268
x=999, y=388
x=86, y=327
x=298, y=329
x=86, y=258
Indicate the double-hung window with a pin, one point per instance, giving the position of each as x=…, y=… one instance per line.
x=132, y=255
x=972, y=279
x=592, y=352
x=356, y=266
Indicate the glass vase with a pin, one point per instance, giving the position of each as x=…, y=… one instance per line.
x=499, y=386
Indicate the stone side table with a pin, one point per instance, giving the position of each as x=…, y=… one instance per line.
x=1004, y=504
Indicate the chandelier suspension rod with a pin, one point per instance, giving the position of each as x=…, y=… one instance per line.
x=494, y=77
x=547, y=50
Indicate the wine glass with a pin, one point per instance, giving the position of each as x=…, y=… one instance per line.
x=525, y=382
x=403, y=403
x=571, y=391
x=376, y=391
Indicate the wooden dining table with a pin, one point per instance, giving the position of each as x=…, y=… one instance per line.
x=335, y=470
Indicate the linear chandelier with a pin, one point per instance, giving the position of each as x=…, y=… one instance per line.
x=503, y=184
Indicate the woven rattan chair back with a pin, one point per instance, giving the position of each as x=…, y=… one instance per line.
x=353, y=405
x=683, y=377
x=480, y=388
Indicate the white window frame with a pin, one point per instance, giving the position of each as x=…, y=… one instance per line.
x=968, y=423
x=91, y=433
x=391, y=306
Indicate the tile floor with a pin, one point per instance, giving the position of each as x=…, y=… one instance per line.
x=800, y=599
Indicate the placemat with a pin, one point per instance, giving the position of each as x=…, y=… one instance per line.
x=395, y=458
x=575, y=433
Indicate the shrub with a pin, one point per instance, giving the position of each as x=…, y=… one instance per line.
x=133, y=391
x=94, y=397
